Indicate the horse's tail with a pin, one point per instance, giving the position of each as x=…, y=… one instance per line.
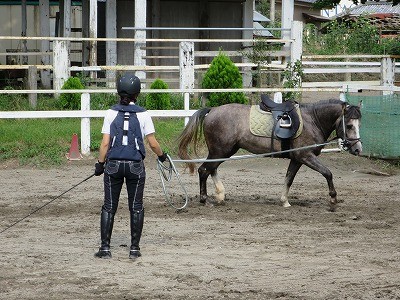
x=192, y=134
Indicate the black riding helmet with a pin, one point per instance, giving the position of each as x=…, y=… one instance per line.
x=128, y=85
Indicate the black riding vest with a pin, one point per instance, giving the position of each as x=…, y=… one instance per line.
x=126, y=142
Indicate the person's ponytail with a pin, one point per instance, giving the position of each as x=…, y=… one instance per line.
x=125, y=100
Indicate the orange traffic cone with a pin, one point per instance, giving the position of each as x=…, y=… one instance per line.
x=74, y=153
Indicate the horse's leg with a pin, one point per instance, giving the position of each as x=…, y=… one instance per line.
x=203, y=175
x=219, y=187
x=291, y=172
x=314, y=163
x=205, y=170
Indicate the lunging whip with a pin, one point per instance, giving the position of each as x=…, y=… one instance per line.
x=36, y=210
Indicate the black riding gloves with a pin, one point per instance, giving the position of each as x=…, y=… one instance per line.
x=162, y=157
x=99, y=168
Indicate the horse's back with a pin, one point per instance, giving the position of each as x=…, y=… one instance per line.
x=228, y=115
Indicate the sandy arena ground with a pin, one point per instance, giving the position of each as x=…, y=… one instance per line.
x=249, y=248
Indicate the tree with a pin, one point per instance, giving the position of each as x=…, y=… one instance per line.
x=333, y=3
x=223, y=74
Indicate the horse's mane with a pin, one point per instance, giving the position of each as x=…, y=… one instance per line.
x=321, y=103
x=352, y=111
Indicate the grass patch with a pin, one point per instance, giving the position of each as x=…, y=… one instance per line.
x=44, y=142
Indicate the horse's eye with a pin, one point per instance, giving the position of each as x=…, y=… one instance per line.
x=349, y=127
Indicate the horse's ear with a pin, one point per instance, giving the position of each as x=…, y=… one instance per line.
x=360, y=104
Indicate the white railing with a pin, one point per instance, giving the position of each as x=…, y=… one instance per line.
x=85, y=114
x=61, y=70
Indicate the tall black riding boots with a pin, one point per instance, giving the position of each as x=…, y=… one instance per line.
x=137, y=218
x=106, y=226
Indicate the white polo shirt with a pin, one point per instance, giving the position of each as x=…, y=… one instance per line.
x=146, y=123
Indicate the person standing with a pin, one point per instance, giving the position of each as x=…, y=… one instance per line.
x=121, y=156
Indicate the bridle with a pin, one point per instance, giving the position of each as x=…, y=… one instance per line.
x=347, y=142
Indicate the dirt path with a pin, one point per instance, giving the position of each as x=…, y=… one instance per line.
x=249, y=248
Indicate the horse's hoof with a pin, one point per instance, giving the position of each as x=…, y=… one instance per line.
x=286, y=204
x=212, y=201
x=209, y=204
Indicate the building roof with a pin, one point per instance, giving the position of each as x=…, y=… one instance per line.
x=257, y=17
x=383, y=15
x=313, y=17
x=371, y=8
x=307, y=1
x=260, y=31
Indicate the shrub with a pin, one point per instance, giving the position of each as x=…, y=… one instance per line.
x=159, y=101
x=292, y=77
x=223, y=74
x=71, y=101
x=355, y=37
x=391, y=46
x=103, y=101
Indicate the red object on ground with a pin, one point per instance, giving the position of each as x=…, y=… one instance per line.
x=74, y=153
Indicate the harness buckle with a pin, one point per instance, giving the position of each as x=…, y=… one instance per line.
x=346, y=145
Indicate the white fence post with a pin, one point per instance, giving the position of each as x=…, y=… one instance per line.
x=85, y=125
x=139, y=46
x=61, y=63
x=287, y=23
x=186, y=70
x=387, y=73
x=296, y=49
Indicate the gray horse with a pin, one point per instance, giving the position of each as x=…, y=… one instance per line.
x=226, y=130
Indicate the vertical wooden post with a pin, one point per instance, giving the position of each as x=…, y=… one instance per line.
x=111, y=46
x=296, y=35
x=44, y=7
x=61, y=64
x=387, y=74
x=32, y=85
x=23, y=31
x=93, y=34
x=140, y=21
x=65, y=18
x=85, y=34
x=287, y=23
x=296, y=49
x=272, y=13
x=248, y=12
x=347, y=76
x=186, y=70
x=85, y=125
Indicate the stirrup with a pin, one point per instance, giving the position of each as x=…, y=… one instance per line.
x=285, y=121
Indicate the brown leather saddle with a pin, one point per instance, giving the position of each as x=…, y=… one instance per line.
x=286, y=118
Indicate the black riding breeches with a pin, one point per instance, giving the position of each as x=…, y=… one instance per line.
x=115, y=173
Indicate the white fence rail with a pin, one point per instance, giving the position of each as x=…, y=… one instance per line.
x=61, y=69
